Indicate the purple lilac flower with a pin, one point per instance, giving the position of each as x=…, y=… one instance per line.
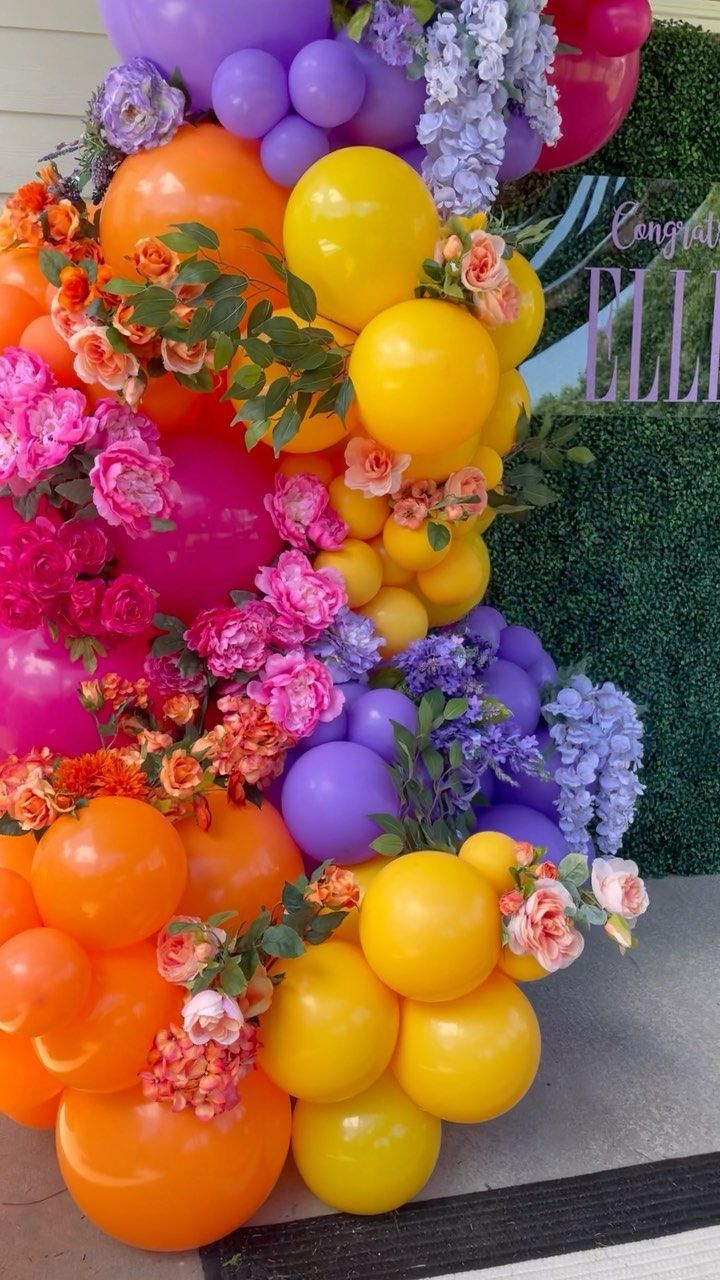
x=394, y=33
x=138, y=110
x=444, y=660
x=350, y=646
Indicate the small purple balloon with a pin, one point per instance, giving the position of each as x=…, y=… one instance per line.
x=523, y=145
x=332, y=731
x=353, y=690
x=250, y=93
x=543, y=671
x=292, y=147
x=486, y=624
x=516, y=690
x=370, y=720
x=327, y=797
x=531, y=790
x=391, y=107
x=520, y=645
x=521, y=823
x=414, y=156
x=327, y=83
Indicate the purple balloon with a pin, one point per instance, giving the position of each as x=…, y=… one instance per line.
x=195, y=36
x=414, y=156
x=516, y=690
x=521, y=823
x=250, y=93
x=292, y=147
x=543, y=671
x=391, y=107
x=369, y=720
x=531, y=790
x=327, y=83
x=353, y=690
x=523, y=145
x=520, y=645
x=327, y=797
x=332, y=731
x=486, y=623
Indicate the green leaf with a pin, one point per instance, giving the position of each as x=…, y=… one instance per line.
x=393, y=826
x=580, y=455
x=162, y=526
x=276, y=396
x=260, y=352
x=286, y=427
x=76, y=491
x=293, y=897
x=433, y=762
x=232, y=979
x=247, y=378
x=179, y=242
x=438, y=535
x=124, y=288
x=240, y=598
x=258, y=235
x=435, y=701
x=573, y=869
x=226, y=286
x=261, y=312
x=455, y=708
x=227, y=314
x=224, y=352
x=279, y=940
x=52, y=262
x=162, y=646
x=198, y=271
x=154, y=307
x=388, y=846
x=358, y=22
x=301, y=298
x=203, y=237
x=117, y=340
x=255, y=433
x=424, y=10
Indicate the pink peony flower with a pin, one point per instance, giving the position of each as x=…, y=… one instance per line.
x=483, y=268
x=23, y=377
x=499, y=306
x=128, y=606
x=410, y=513
x=86, y=544
x=46, y=568
x=298, y=692
x=468, y=482
x=329, y=532
x=299, y=510
x=19, y=610
x=111, y=421
x=9, y=450
x=132, y=487
x=178, y=357
x=305, y=600
x=542, y=929
x=97, y=361
x=48, y=430
x=84, y=603
x=373, y=469
x=618, y=887
x=182, y=956
x=165, y=678
x=211, y=1015
x=233, y=640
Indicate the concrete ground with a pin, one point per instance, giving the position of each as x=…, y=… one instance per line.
x=629, y=1074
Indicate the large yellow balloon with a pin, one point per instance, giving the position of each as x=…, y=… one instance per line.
x=358, y=226
x=426, y=376
x=492, y=854
x=430, y=926
x=470, y=1059
x=399, y=618
x=462, y=575
x=370, y=1154
x=438, y=466
x=500, y=429
x=514, y=342
x=411, y=548
x=332, y=1027
x=360, y=568
x=364, y=515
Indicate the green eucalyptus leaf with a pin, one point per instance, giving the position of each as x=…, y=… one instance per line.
x=279, y=940
x=388, y=846
x=573, y=869
x=438, y=535
x=52, y=262
x=203, y=237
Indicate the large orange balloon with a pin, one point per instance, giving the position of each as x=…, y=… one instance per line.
x=17, y=905
x=110, y=876
x=21, y=268
x=107, y=1043
x=204, y=175
x=42, y=337
x=159, y=1180
x=241, y=863
x=17, y=853
x=44, y=980
x=41, y=1116
x=17, y=310
x=24, y=1082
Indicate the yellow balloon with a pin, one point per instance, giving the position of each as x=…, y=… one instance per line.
x=358, y=226
x=364, y=516
x=393, y=574
x=425, y=374
x=492, y=854
x=461, y=575
x=410, y=548
x=514, y=342
x=471, y=1059
x=359, y=566
x=491, y=465
x=368, y=1155
x=332, y=1026
x=488, y=517
x=399, y=618
x=500, y=429
x=438, y=466
x=521, y=968
x=430, y=926
x=443, y=615
x=365, y=873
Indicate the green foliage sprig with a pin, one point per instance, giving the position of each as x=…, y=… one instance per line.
x=537, y=455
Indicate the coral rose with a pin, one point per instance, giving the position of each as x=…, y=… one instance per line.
x=373, y=469
x=63, y=223
x=178, y=357
x=180, y=774
x=155, y=262
x=468, y=483
x=618, y=887
x=182, y=956
x=258, y=994
x=97, y=361
x=483, y=268
x=542, y=928
x=75, y=289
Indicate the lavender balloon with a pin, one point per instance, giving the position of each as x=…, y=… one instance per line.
x=523, y=145
x=195, y=36
x=327, y=797
x=414, y=156
x=292, y=147
x=331, y=731
x=531, y=790
x=250, y=93
x=370, y=720
x=392, y=105
x=521, y=823
x=327, y=83
x=517, y=691
x=520, y=645
x=543, y=671
x=486, y=623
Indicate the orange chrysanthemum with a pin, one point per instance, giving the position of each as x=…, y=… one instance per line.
x=102, y=773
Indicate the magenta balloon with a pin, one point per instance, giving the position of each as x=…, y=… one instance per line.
x=222, y=532
x=595, y=95
x=521, y=823
x=391, y=107
x=38, y=692
x=327, y=797
x=617, y=27
x=195, y=36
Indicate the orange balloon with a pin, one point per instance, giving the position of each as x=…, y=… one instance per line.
x=161, y=1180
x=241, y=863
x=204, y=175
x=42, y=1116
x=313, y=464
x=107, y=1042
x=173, y=408
x=24, y=1082
x=44, y=979
x=17, y=310
x=110, y=876
x=17, y=905
x=21, y=268
x=42, y=337
x=17, y=853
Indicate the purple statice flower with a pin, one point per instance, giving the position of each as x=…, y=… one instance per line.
x=446, y=661
x=394, y=33
x=137, y=109
x=350, y=646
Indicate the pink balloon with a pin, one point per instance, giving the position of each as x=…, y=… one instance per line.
x=38, y=692
x=223, y=532
x=617, y=27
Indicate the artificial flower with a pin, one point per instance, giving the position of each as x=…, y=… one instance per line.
x=96, y=360
x=298, y=692
x=182, y=956
x=304, y=600
x=211, y=1015
x=619, y=888
x=137, y=109
x=544, y=927
x=131, y=487
x=180, y=774
x=373, y=469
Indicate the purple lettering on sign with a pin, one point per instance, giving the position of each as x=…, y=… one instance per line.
x=594, y=330
x=636, y=346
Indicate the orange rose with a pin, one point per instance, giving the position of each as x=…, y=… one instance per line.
x=32, y=806
x=62, y=222
x=75, y=289
x=178, y=357
x=181, y=708
x=180, y=775
x=137, y=333
x=155, y=262
x=63, y=803
x=97, y=361
x=336, y=890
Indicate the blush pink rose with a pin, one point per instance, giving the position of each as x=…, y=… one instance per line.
x=178, y=357
x=111, y=421
x=468, y=482
x=299, y=510
x=23, y=377
x=511, y=902
x=298, y=692
x=128, y=606
x=132, y=487
x=211, y=1015
x=97, y=361
x=483, y=268
x=84, y=603
x=542, y=929
x=498, y=306
x=181, y=956
x=305, y=600
x=373, y=469
x=233, y=640
x=618, y=888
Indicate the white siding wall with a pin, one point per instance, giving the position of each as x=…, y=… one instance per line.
x=53, y=53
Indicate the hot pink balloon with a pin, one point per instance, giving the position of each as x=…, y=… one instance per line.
x=222, y=531
x=39, y=692
x=617, y=27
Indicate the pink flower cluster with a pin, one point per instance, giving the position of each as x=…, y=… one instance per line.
x=298, y=691
x=233, y=639
x=203, y=1076
x=485, y=274
x=373, y=469
x=419, y=499
x=300, y=510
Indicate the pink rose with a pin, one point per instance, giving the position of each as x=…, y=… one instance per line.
x=49, y=429
x=373, y=469
x=46, y=568
x=66, y=323
x=299, y=510
x=111, y=421
x=19, y=610
x=511, y=902
x=305, y=600
x=468, y=482
x=165, y=678
x=128, y=606
x=524, y=853
x=483, y=268
x=182, y=956
x=498, y=306
x=210, y=1015
x=618, y=888
x=23, y=377
x=132, y=487
x=86, y=544
x=298, y=692
x=97, y=361
x=329, y=532
x=178, y=357
x=83, y=606
x=410, y=513
x=233, y=640
x=448, y=250
x=542, y=929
